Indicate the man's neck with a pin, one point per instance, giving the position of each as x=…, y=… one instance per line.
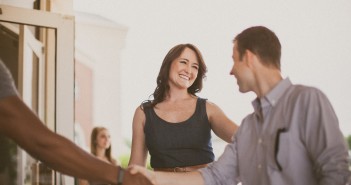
x=266, y=81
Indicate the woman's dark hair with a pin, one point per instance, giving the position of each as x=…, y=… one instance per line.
x=163, y=76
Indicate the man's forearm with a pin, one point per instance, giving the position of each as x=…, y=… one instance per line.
x=19, y=123
x=69, y=159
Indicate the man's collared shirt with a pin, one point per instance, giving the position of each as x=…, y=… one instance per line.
x=291, y=138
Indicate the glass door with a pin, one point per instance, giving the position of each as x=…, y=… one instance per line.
x=37, y=46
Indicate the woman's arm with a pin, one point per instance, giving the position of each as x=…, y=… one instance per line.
x=139, y=149
x=221, y=125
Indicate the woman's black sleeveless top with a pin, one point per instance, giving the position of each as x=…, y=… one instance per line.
x=187, y=143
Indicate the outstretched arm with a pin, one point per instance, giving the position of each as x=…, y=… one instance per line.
x=222, y=126
x=19, y=123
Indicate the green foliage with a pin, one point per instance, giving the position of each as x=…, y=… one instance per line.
x=348, y=139
x=124, y=160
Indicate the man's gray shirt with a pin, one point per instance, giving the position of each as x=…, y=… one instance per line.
x=291, y=138
x=7, y=86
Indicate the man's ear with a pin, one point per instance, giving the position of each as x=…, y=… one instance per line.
x=249, y=58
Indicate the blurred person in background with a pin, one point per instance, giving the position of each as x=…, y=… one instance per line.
x=100, y=146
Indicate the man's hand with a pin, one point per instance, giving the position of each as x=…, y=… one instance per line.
x=138, y=175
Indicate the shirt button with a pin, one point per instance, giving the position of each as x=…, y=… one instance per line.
x=259, y=166
x=260, y=141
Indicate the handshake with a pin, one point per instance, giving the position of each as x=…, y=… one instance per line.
x=136, y=175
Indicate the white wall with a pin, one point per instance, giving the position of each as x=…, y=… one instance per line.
x=102, y=41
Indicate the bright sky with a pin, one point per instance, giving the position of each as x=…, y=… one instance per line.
x=315, y=37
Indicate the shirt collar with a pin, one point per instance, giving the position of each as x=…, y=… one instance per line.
x=273, y=96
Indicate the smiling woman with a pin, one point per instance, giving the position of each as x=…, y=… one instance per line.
x=185, y=69
x=175, y=127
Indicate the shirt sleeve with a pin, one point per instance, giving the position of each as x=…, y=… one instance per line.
x=7, y=86
x=224, y=170
x=324, y=140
